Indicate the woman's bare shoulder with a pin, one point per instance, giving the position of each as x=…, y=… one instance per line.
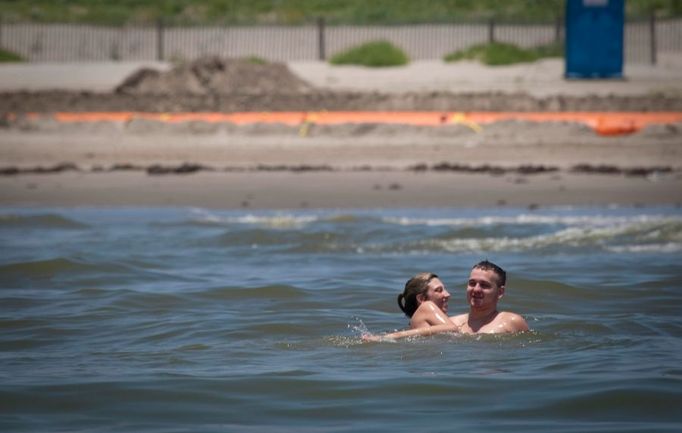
x=428, y=314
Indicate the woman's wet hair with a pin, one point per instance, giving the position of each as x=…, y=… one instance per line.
x=417, y=285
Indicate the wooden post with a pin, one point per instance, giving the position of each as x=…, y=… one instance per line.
x=321, y=54
x=557, y=29
x=491, y=30
x=159, y=40
x=652, y=36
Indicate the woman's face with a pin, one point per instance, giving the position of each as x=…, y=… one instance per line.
x=436, y=293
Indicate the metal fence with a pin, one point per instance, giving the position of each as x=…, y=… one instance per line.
x=644, y=40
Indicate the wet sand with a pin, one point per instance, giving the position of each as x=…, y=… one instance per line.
x=511, y=164
x=287, y=190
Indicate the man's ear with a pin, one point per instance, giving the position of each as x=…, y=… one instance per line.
x=420, y=298
x=500, y=292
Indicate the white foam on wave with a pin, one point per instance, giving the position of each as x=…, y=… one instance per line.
x=276, y=221
x=282, y=221
x=526, y=219
x=616, y=233
x=498, y=243
x=655, y=235
x=670, y=247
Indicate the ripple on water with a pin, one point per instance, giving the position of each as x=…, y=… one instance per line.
x=171, y=320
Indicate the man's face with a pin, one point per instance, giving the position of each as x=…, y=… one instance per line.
x=483, y=292
x=437, y=293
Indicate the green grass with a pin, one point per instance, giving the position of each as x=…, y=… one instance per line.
x=118, y=12
x=497, y=53
x=372, y=54
x=8, y=56
x=256, y=60
x=549, y=50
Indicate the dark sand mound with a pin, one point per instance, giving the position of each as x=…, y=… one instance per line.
x=233, y=85
x=285, y=99
x=214, y=75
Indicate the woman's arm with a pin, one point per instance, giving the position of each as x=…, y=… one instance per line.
x=419, y=332
x=427, y=320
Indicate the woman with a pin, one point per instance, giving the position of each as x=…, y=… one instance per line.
x=425, y=301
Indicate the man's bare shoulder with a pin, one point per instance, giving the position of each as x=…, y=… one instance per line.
x=512, y=322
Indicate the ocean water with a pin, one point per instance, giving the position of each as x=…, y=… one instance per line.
x=194, y=320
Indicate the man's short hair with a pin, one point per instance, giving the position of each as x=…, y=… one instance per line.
x=485, y=265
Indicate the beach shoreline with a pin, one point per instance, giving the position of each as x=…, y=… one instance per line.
x=327, y=190
x=363, y=165
x=350, y=166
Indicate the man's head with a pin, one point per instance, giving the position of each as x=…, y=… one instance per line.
x=490, y=266
x=486, y=286
x=425, y=286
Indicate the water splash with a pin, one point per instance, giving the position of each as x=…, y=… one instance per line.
x=359, y=328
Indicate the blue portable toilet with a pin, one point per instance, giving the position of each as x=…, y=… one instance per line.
x=594, y=38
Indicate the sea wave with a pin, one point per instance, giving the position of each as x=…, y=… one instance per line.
x=637, y=235
x=186, y=320
x=232, y=293
x=525, y=219
x=667, y=248
x=280, y=220
x=636, y=238
x=57, y=265
x=41, y=221
x=285, y=239
x=322, y=233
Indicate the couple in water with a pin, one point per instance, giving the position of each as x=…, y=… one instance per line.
x=425, y=302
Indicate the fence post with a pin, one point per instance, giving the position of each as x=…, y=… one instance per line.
x=321, y=54
x=491, y=30
x=159, y=40
x=652, y=36
x=557, y=29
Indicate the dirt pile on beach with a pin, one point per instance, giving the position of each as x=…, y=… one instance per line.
x=51, y=101
x=214, y=75
x=234, y=85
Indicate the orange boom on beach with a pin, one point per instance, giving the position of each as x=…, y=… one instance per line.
x=603, y=123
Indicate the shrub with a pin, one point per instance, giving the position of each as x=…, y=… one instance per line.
x=498, y=53
x=8, y=56
x=256, y=60
x=373, y=54
x=555, y=49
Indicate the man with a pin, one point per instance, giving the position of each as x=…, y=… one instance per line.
x=485, y=288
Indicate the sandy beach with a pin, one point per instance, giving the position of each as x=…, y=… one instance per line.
x=347, y=166
x=286, y=190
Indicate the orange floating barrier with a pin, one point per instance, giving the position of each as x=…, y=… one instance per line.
x=285, y=117
x=116, y=116
x=184, y=117
x=603, y=123
x=425, y=118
